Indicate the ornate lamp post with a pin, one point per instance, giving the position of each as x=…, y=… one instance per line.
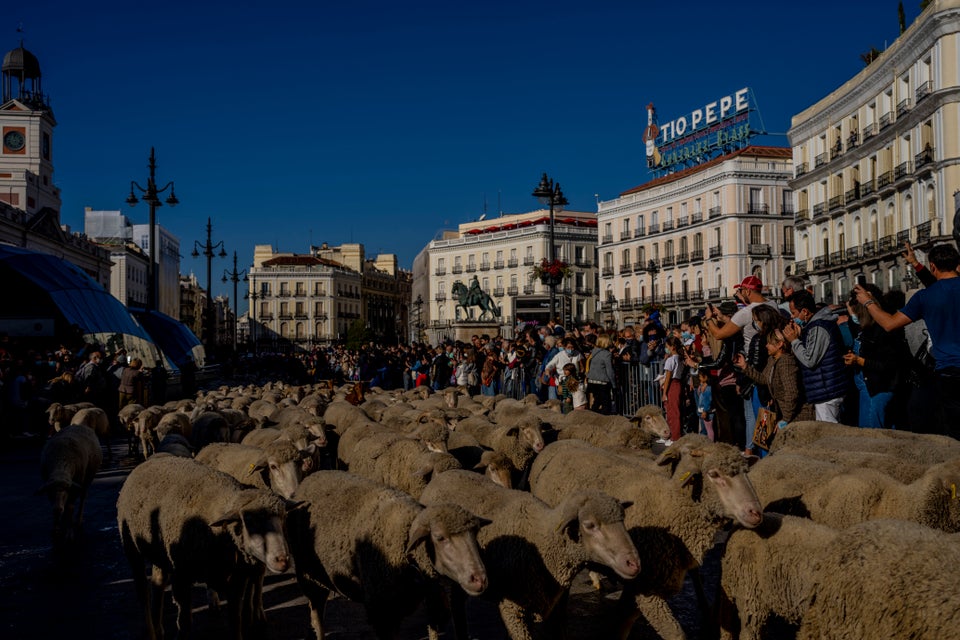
x=235, y=277
x=549, y=193
x=418, y=303
x=208, y=249
x=253, y=295
x=151, y=195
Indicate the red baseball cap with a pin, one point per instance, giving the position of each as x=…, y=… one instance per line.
x=751, y=282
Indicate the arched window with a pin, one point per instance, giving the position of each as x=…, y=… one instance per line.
x=931, y=203
x=906, y=213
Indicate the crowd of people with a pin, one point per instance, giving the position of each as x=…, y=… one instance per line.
x=714, y=373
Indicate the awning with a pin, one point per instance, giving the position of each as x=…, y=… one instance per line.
x=39, y=284
x=173, y=337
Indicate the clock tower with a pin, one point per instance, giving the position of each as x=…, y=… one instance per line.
x=26, y=138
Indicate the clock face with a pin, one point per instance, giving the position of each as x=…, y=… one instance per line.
x=13, y=140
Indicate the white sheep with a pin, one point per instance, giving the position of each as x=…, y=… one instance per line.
x=203, y=527
x=532, y=551
x=60, y=415
x=278, y=466
x=96, y=419
x=673, y=521
x=378, y=546
x=68, y=463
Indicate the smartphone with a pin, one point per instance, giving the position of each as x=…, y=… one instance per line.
x=861, y=279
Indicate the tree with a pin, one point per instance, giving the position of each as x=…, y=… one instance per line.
x=358, y=334
x=902, y=18
x=870, y=56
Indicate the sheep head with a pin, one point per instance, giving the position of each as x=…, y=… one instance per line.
x=451, y=532
x=595, y=521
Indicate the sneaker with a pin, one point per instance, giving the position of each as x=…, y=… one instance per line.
x=664, y=441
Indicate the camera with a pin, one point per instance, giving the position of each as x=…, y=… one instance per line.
x=861, y=279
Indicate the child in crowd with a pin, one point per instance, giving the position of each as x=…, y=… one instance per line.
x=573, y=392
x=704, y=396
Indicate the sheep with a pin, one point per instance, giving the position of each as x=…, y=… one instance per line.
x=614, y=431
x=277, y=466
x=208, y=427
x=342, y=415
x=922, y=448
x=892, y=465
x=885, y=579
x=495, y=466
x=60, y=415
x=68, y=463
x=781, y=479
x=532, y=551
x=673, y=520
x=146, y=429
x=520, y=442
x=204, y=526
x=263, y=411
x=175, y=422
x=858, y=495
x=396, y=460
x=127, y=417
x=176, y=445
x=376, y=545
x=771, y=570
x=96, y=419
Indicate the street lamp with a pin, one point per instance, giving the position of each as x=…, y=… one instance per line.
x=253, y=295
x=549, y=193
x=207, y=249
x=151, y=197
x=235, y=277
x=653, y=269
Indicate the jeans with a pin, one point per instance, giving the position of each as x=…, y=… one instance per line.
x=873, y=409
x=948, y=388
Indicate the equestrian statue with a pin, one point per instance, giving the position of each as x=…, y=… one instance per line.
x=474, y=296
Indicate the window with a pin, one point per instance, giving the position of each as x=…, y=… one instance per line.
x=578, y=253
x=755, y=198
x=755, y=230
x=625, y=259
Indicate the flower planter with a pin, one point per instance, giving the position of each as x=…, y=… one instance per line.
x=550, y=280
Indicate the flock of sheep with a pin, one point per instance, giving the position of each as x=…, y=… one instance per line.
x=397, y=499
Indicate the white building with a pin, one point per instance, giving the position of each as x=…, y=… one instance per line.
x=502, y=253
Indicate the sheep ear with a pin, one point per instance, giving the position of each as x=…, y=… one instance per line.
x=308, y=451
x=670, y=456
x=688, y=478
x=259, y=465
x=513, y=431
x=226, y=520
x=626, y=504
x=296, y=505
x=419, y=531
x=480, y=466
x=568, y=518
x=423, y=417
x=422, y=472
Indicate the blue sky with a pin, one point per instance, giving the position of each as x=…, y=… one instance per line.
x=385, y=122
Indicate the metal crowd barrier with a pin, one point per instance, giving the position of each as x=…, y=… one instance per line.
x=637, y=385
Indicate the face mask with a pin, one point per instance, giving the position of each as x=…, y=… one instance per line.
x=686, y=335
x=668, y=351
x=800, y=322
x=569, y=352
x=855, y=318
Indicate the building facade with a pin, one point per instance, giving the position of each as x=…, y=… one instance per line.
x=877, y=160
x=300, y=300
x=686, y=238
x=502, y=253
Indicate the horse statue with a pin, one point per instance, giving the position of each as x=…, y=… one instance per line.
x=474, y=297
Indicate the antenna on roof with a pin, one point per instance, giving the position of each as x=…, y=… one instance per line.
x=484, y=206
x=499, y=206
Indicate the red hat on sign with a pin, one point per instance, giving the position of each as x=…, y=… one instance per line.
x=751, y=282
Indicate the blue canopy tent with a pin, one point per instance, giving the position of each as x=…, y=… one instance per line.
x=39, y=286
x=173, y=337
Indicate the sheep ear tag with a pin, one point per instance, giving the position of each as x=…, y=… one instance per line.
x=686, y=479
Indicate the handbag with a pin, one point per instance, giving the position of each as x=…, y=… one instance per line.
x=765, y=428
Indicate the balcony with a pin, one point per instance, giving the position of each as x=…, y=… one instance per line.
x=607, y=239
x=786, y=209
x=513, y=291
x=283, y=294
x=886, y=120
x=696, y=255
x=803, y=215
x=757, y=209
x=471, y=267
x=867, y=189
x=484, y=266
x=801, y=169
x=457, y=268
x=837, y=150
x=528, y=261
x=668, y=261
x=441, y=271
x=902, y=170
x=716, y=252
x=800, y=268
x=513, y=262
x=300, y=316
x=924, y=89
x=887, y=244
x=902, y=237
x=852, y=195
x=820, y=262
x=300, y=294
x=835, y=202
x=653, y=265
x=683, y=258
x=266, y=317
x=639, y=266
x=285, y=316
x=869, y=249
x=668, y=225
x=852, y=140
x=818, y=210
x=696, y=217
x=787, y=250
x=625, y=269
x=498, y=264
x=836, y=257
x=714, y=212
x=683, y=221
x=884, y=179
x=696, y=296
x=607, y=272
x=654, y=228
x=820, y=159
x=903, y=106
x=639, y=232
x=852, y=254
x=583, y=262
x=714, y=293
x=528, y=289
x=869, y=130
x=583, y=291
x=498, y=292
x=624, y=235
x=440, y=297
x=756, y=249
x=923, y=158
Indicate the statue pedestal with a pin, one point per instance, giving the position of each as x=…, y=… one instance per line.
x=463, y=330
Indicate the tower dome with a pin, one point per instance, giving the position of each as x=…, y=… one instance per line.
x=21, y=78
